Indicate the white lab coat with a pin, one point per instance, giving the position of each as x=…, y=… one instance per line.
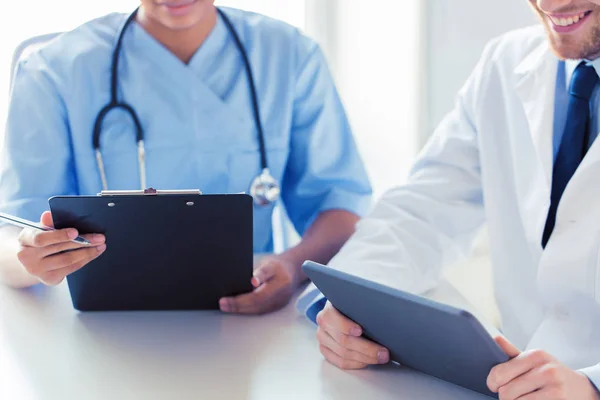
x=495, y=148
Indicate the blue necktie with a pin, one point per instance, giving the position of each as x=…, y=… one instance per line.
x=574, y=143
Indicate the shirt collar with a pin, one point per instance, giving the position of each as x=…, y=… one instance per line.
x=570, y=66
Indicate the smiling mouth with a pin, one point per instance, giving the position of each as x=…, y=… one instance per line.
x=568, y=21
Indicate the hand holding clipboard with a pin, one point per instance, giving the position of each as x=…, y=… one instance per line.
x=50, y=255
x=168, y=250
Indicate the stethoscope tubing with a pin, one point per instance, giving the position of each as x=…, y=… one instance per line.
x=114, y=104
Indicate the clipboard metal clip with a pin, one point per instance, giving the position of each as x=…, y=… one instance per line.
x=148, y=192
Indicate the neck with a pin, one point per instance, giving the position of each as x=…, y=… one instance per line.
x=184, y=42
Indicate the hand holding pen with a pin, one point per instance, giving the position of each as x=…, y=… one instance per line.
x=51, y=255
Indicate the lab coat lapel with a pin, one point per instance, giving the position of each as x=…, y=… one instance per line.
x=536, y=84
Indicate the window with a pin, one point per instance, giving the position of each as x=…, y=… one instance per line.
x=375, y=57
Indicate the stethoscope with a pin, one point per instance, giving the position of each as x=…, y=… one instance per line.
x=264, y=188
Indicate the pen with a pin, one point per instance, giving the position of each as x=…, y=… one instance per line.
x=23, y=223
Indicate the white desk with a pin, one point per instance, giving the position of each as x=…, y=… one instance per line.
x=50, y=351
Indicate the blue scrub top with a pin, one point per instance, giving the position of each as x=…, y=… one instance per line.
x=197, y=118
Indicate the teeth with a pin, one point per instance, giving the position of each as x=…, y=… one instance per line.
x=567, y=21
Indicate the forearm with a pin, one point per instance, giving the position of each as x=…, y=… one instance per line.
x=12, y=272
x=322, y=240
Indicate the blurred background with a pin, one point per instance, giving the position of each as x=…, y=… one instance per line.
x=397, y=64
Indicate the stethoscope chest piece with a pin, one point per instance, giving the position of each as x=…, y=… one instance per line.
x=264, y=189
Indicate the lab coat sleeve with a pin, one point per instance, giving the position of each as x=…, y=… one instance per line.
x=36, y=161
x=324, y=169
x=431, y=221
x=593, y=374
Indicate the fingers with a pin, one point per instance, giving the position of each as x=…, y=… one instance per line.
x=362, y=345
x=504, y=373
x=244, y=303
x=544, y=394
x=340, y=362
x=51, y=255
x=265, y=298
x=46, y=219
x=41, y=267
x=95, y=239
x=273, y=289
x=55, y=277
x=35, y=238
x=342, y=337
x=347, y=353
x=547, y=378
x=522, y=385
x=62, y=260
x=333, y=321
x=264, y=273
x=510, y=350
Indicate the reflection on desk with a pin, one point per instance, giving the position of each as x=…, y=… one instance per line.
x=50, y=351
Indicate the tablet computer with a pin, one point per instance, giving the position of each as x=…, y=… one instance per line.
x=427, y=336
x=164, y=251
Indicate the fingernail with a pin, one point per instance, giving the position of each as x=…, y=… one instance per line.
x=383, y=356
x=255, y=282
x=356, y=331
x=101, y=248
x=97, y=238
x=72, y=233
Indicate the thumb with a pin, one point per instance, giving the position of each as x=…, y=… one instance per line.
x=46, y=219
x=264, y=272
x=510, y=350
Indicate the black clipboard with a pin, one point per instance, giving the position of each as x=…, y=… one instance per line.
x=166, y=250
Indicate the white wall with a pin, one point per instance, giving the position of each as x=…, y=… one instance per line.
x=399, y=64
x=457, y=32
x=374, y=49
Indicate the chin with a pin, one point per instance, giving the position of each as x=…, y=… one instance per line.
x=195, y=16
x=576, y=49
x=180, y=25
x=581, y=45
